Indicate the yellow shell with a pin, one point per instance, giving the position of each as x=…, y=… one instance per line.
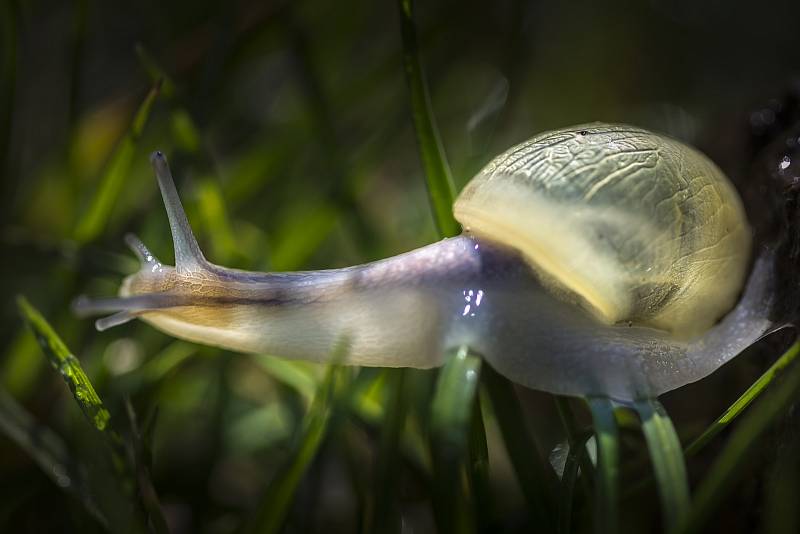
x=635, y=226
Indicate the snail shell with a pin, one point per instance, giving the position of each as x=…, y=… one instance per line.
x=634, y=226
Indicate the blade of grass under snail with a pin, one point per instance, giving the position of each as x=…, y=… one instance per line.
x=48, y=450
x=451, y=413
x=573, y=433
x=577, y=463
x=279, y=495
x=739, y=405
x=478, y=457
x=535, y=476
x=607, y=480
x=576, y=459
x=382, y=515
x=143, y=465
x=441, y=193
x=93, y=410
x=668, y=461
x=96, y=216
x=737, y=408
x=728, y=466
x=294, y=374
x=156, y=368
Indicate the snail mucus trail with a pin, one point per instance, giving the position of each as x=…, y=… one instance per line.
x=628, y=215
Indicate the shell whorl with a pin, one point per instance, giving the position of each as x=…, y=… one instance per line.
x=635, y=226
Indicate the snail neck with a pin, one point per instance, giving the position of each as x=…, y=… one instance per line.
x=398, y=312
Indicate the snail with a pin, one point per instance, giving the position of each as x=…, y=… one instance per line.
x=595, y=260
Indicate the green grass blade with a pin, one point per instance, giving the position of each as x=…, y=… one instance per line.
x=154, y=71
x=184, y=130
x=441, y=193
x=574, y=433
x=94, y=221
x=576, y=459
x=781, y=515
x=382, y=516
x=279, y=495
x=478, y=469
x=160, y=365
x=607, y=480
x=441, y=190
x=728, y=467
x=21, y=366
x=668, y=462
x=96, y=414
x=67, y=365
x=142, y=463
x=451, y=414
x=48, y=450
x=534, y=474
x=294, y=374
x=753, y=392
x=455, y=391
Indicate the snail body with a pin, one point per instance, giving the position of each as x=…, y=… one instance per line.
x=596, y=260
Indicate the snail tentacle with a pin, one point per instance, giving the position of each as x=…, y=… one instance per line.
x=188, y=256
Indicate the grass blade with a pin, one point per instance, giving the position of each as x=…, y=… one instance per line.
x=478, y=469
x=757, y=388
x=437, y=171
x=67, y=365
x=451, y=413
x=441, y=193
x=576, y=459
x=668, y=462
x=607, y=480
x=142, y=460
x=92, y=224
x=295, y=374
x=280, y=493
x=99, y=417
x=382, y=516
x=727, y=468
x=455, y=391
x=535, y=476
x=154, y=71
x=48, y=450
x=733, y=411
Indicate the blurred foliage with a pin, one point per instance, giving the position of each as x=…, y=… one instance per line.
x=290, y=129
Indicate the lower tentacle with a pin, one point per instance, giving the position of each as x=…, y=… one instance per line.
x=123, y=309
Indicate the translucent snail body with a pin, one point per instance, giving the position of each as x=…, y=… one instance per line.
x=596, y=260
